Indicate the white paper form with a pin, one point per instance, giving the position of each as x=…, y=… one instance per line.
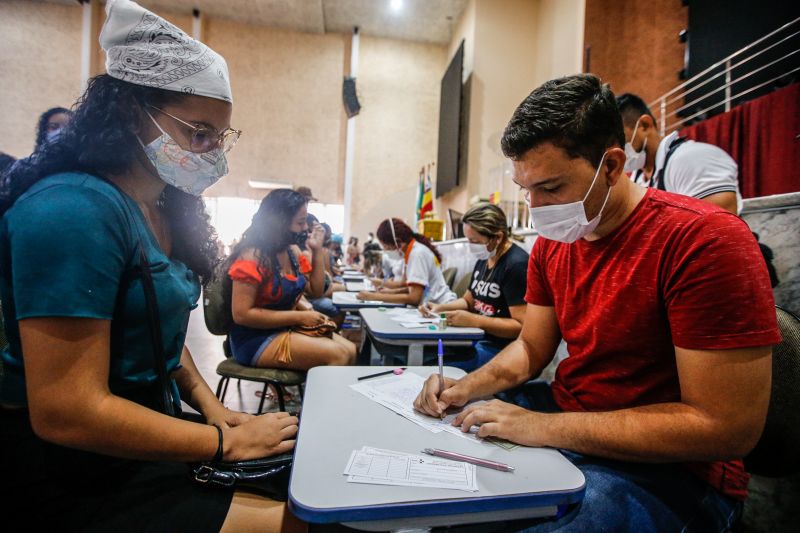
x=387, y=467
x=408, y=318
x=398, y=394
x=352, y=298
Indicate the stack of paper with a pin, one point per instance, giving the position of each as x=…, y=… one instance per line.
x=386, y=467
x=398, y=394
x=412, y=319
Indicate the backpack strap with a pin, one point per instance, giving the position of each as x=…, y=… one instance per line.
x=658, y=182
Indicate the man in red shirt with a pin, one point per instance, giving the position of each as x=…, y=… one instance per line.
x=666, y=308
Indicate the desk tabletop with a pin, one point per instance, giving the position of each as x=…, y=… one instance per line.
x=337, y=420
x=348, y=300
x=382, y=326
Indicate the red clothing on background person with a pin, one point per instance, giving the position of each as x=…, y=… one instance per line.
x=678, y=272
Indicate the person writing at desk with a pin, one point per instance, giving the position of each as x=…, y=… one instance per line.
x=669, y=320
x=112, y=202
x=422, y=266
x=495, y=301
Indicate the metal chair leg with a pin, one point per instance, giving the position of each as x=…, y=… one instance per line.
x=279, y=394
x=263, y=397
x=225, y=388
x=219, y=387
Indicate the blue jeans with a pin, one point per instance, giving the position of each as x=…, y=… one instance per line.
x=630, y=497
x=484, y=351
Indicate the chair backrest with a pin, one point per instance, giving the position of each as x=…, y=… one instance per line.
x=216, y=312
x=777, y=453
x=463, y=284
x=449, y=276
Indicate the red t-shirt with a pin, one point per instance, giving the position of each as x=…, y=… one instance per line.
x=677, y=272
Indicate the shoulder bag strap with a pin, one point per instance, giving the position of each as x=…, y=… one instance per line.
x=659, y=181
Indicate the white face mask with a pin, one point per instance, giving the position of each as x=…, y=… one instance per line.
x=481, y=252
x=394, y=255
x=190, y=172
x=634, y=160
x=567, y=222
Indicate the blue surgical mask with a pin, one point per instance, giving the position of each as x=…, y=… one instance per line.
x=190, y=172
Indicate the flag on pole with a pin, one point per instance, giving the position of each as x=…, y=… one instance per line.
x=420, y=193
x=427, y=196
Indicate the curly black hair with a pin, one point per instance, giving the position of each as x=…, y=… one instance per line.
x=41, y=127
x=100, y=139
x=269, y=231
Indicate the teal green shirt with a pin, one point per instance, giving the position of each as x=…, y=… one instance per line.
x=64, y=246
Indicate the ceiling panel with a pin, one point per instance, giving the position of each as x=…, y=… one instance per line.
x=429, y=21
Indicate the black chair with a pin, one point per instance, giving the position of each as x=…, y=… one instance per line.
x=775, y=461
x=449, y=275
x=776, y=454
x=215, y=316
x=462, y=284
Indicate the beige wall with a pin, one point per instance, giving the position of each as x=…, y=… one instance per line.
x=40, y=67
x=517, y=45
x=397, y=129
x=287, y=90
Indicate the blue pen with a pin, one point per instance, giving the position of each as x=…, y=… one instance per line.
x=441, y=370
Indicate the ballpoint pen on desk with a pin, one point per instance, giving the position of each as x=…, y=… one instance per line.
x=468, y=459
x=441, y=371
x=396, y=371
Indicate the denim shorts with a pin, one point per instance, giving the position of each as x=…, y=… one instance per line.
x=248, y=352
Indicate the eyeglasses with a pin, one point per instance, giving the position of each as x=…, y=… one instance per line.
x=204, y=138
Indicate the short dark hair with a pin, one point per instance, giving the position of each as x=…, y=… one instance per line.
x=576, y=113
x=631, y=107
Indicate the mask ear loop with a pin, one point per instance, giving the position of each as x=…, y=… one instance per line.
x=596, y=173
x=394, y=238
x=394, y=235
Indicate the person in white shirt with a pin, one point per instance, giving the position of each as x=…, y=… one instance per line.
x=676, y=164
x=392, y=271
x=423, y=273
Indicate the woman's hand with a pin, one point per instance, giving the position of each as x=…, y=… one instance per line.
x=261, y=436
x=316, y=237
x=225, y=418
x=460, y=318
x=311, y=319
x=367, y=295
x=429, y=311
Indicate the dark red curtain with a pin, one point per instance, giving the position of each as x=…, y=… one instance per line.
x=763, y=136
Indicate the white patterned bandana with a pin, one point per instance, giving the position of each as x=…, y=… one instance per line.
x=144, y=49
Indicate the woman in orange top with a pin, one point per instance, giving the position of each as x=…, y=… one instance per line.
x=268, y=284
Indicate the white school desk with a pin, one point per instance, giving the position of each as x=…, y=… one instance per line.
x=348, y=301
x=381, y=327
x=337, y=420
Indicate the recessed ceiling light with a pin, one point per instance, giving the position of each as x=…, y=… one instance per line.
x=396, y=5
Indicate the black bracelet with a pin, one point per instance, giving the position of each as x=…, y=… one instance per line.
x=218, y=456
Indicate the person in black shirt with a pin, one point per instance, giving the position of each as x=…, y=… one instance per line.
x=495, y=301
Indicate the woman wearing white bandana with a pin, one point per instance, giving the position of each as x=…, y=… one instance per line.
x=86, y=446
